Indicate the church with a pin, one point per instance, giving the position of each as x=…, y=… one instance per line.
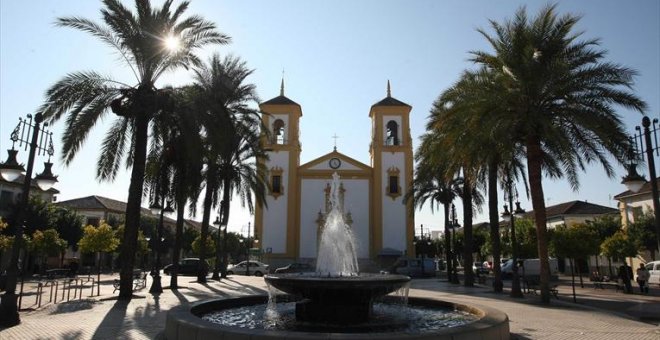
x=371, y=196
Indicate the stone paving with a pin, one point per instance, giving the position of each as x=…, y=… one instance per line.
x=144, y=318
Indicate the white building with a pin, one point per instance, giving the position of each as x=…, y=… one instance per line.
x=372, y=195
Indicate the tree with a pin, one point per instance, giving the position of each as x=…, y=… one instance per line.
x=87, y=97
x=47, y=243
x=642, y=233
x=560, y=96
x=210, y=246
x=605, y=226
x=619, y=246
x=429, y=184
x=576, y=242
x=233, y=141
x=98, y=240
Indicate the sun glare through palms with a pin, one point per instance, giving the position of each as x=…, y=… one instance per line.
x=172, y=43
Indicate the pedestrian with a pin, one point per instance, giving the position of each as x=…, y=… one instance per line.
x=643, y=276
x=625, y=275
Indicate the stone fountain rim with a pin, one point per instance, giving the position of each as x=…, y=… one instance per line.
x=183, y=323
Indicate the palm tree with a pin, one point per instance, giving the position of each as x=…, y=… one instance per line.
x=232, y=128
x=429, y=184
x=174, y=163
x=560, y=97
x=140, y=39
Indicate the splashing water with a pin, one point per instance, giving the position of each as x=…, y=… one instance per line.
x=337, y=251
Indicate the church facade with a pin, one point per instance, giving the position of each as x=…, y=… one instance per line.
x=372, y=196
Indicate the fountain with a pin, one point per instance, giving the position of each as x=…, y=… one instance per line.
x=336, y=293
x=337, y=298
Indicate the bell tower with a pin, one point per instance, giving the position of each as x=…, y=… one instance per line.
x=392, y=162
x=276, y=225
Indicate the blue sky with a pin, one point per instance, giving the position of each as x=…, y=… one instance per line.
x=336, y=56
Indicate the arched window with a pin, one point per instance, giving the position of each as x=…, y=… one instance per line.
x=278, y=132
x=392, y=133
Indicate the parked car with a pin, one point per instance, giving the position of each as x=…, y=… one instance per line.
x=479, y=268
x=187, y=266
x=256, y=268
x=295, y=268
x=529, y=267
x=412, y=267
x=654, y=271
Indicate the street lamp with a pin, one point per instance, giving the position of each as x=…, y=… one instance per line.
x=157, y=209
x=221, y=227
x=634, y=181
x=247, y=246
x=28, y=133
x=511, y=216
x=453, y=225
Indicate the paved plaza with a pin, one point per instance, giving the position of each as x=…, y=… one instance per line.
x=599, y=314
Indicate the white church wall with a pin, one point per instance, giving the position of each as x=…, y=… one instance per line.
x=394, y=211
x=356, y=201
x=275, y=215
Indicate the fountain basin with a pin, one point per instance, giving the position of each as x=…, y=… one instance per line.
x=186, y=323
x=337, y=300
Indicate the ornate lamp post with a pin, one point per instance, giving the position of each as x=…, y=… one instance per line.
x=28, y=133
x=634, y=181
x=221, y=227
x=453, y=226
x=157, y=209
x=511, y=216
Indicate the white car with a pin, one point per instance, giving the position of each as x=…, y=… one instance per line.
x=654, y=271
x=256, y=268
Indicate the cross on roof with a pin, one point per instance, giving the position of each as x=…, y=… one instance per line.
x=335, y=138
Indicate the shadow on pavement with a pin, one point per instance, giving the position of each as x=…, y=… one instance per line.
x=113, y=321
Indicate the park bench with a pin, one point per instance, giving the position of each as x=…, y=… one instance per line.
x=139, y=281
x=531, y=286
x=58, y=273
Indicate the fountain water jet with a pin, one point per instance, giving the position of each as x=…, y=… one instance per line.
x=336, y=294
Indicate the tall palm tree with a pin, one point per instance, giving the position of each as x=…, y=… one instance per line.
x=561, y=97
x=140, y=39
x=430, y=184
x=232, y=128
x=241, y=174
x=174, y=162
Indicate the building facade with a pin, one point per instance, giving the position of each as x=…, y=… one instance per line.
x=372, y=196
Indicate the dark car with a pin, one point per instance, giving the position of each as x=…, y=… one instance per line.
x=187, y=266
x=295, y=268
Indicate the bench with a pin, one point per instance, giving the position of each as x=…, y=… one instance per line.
x=616, y=285
x=139, y=281
x=531, y=286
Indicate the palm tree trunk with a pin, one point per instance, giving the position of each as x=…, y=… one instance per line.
x=225, y=220
x=447, y=242
x=211, y=186
x=494, y=220
x=534, y=171
x=178, y=242
x=129, y=242
x=467, y=234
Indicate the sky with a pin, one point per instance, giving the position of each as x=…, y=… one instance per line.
x=336, y=58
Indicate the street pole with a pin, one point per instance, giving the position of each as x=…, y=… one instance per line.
x=247, y=245
x=454, y=262
x=8, y=305
x=646, y=123
x=156, y=286
x=515, y=279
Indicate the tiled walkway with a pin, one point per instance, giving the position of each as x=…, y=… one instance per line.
x=144, y=318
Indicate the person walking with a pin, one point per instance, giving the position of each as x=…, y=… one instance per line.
x=643, y=276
